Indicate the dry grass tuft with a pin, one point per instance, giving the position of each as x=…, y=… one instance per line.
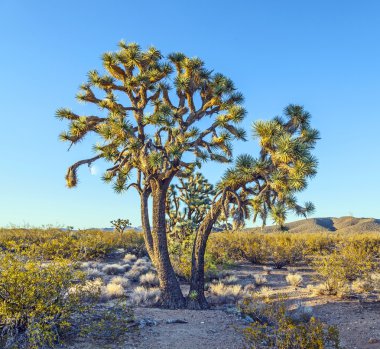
x=294, y=279
x=149, y=279
x=113, y=290
x=250, y=288
x=145, y=296
x=120, y=280
x=93, y=273
x=114, y=269
x=260, y=279
x=222, y=293
x=135, y=272
x=129, y=258
x=230, y=280
x=362, y=286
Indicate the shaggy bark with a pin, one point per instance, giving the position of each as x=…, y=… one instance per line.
x=171, y=294
x=196, y=298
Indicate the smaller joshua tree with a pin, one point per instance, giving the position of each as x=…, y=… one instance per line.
x=262, y=186
x=187, y=204
x=121, y=224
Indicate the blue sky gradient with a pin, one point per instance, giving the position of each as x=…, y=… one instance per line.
x=321, y=54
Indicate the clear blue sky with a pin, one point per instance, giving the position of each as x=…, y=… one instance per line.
x=322, y=54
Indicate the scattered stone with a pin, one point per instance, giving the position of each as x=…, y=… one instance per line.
x=248, y=319
x=176, y=321
x=373, y=340
x=232, y=310
x=147, y=322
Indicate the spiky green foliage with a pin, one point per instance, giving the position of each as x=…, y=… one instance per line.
x=187, y=204
x=266, y=186
x=151, y=105
x=121, y=224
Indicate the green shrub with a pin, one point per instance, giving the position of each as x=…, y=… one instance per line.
x=285, y=250
x=254, y=250
x=36, y=302
x=336, y=270
x=76, y=245
x=180, y=253
x=273, y=327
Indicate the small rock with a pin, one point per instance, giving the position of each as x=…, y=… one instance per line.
x=176, y=321
x=147, y=322
x=248, y=319
x=231, y=310
x=373, y=340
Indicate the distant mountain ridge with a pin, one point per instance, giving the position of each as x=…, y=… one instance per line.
x=345, y=224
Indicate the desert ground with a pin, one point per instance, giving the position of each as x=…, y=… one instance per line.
x=330, y=273
x=221, y=327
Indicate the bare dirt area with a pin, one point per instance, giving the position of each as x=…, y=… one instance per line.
x=203, y=329
x=359, y=324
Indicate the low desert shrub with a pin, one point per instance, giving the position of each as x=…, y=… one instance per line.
x=144, y=296
x=285, y=250
x=375, y=277
x=90, y=290
x=222, y=294
x=50, y=243
x=93, y=273
x=113, y=290
x=362, y=285
x=338, y=269
x=129, y=258
x=254, y=250
x=106, y=326
x=265, y=292
x=120, y=280
x=180, y=255
x=267, y=270
x=250, y=288
x=135, y=272
x=114, y=269
x=143, y=262
x=294, y=279
x=260, y=279
x=230, y=280
x=36, y=304
x=275, y=327
x=149, y=279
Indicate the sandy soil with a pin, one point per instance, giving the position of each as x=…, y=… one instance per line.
x=358, y=320
x=205, y=329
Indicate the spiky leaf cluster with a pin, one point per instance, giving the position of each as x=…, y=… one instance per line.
x=187, y=204
x=150, y=106
x=267, y=185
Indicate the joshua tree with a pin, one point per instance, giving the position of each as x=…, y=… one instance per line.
x=121, y=224
x=150, y=109
x=260, y=186
x=187, y=204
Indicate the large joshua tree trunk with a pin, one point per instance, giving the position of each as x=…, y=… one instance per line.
x=171, y=294
x=196, y=298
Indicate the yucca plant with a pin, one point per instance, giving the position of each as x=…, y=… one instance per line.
x=151, y=107
x=262, y=186
x=187, y=204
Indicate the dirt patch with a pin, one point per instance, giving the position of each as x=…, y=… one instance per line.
x=204, y=329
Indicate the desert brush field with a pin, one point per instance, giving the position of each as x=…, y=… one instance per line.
x=97, y=289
